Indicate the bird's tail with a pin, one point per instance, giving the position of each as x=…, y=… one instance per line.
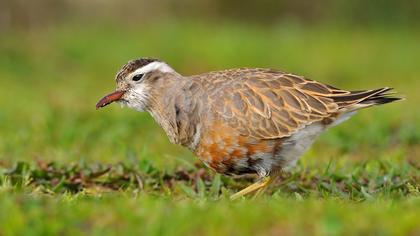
x=356, y=100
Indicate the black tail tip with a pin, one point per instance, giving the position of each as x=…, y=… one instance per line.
x=383, y=97
x=385, y=100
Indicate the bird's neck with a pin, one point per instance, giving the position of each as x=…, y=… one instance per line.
x=175, y=109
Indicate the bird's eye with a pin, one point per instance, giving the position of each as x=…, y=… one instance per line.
x=137, y=77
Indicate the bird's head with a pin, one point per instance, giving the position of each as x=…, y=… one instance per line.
x=135, y=82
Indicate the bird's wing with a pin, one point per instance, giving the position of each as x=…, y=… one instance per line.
x=269, y=104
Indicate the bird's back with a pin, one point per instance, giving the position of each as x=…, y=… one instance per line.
x=268, y=104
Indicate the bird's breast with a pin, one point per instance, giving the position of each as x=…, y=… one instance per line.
x=225, y=150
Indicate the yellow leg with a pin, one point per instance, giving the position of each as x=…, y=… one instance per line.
x=261, y=184
x=262, y=190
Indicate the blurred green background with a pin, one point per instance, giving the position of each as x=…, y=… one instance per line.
x=58, y=57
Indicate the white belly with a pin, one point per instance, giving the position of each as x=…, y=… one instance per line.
x=298, y=143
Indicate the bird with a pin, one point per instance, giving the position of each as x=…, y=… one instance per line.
x=239, y=121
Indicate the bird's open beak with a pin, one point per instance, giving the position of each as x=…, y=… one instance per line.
x=110, y=98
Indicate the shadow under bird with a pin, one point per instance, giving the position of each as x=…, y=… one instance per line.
x=239, y=121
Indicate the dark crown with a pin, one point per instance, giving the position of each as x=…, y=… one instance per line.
x=132, y=66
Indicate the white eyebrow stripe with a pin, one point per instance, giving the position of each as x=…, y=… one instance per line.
x=156, y=65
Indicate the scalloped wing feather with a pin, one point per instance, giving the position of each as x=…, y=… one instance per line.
x=269, y=104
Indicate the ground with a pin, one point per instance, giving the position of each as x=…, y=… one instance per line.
x=68, y=169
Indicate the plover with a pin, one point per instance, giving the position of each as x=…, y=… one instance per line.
x=239, y=121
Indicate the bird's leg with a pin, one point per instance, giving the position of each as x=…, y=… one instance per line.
x=260, y=191
x=274, y=175
x=262, y=183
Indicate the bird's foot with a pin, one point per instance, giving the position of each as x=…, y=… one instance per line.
x=258, y=186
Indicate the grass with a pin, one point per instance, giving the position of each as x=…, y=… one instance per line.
x=66, y=168
x=137, y=198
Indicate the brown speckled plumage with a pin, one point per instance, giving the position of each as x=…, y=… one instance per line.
x=250, y=113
